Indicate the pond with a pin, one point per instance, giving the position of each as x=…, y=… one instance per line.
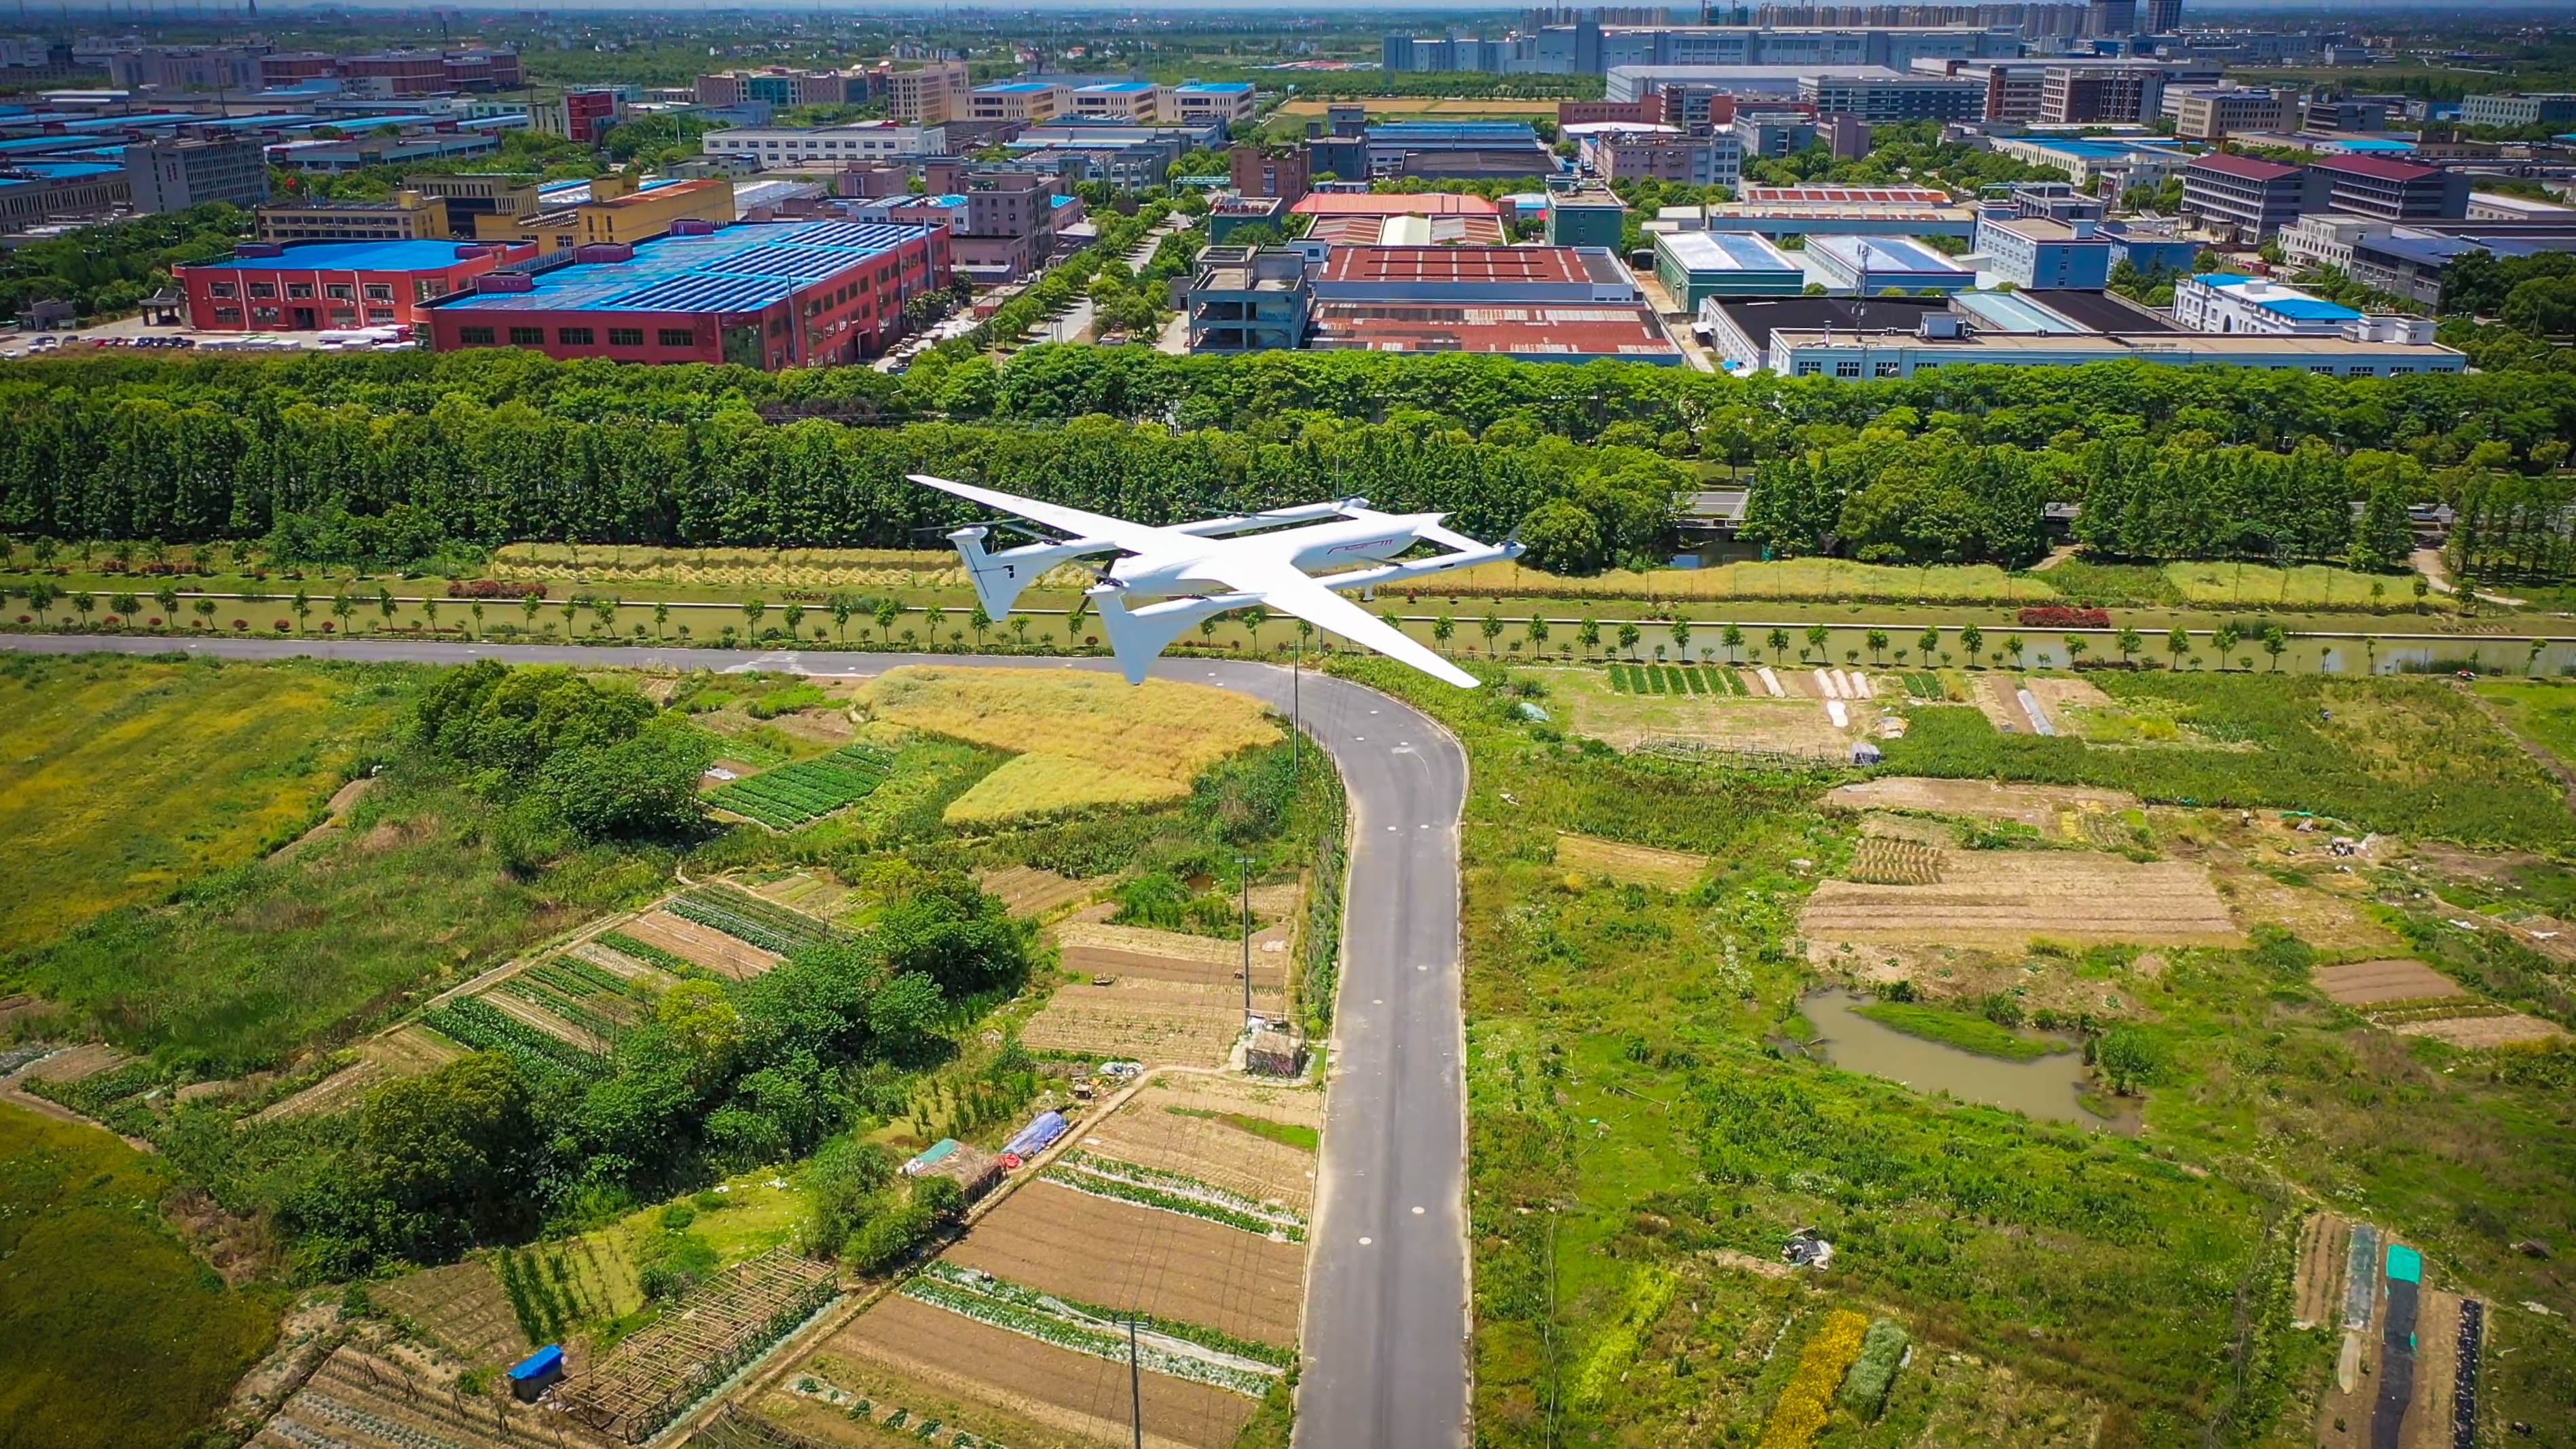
x=2049, y=1087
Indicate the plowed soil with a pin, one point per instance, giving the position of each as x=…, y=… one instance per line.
x=1028, y=891
x=1086, y=1395
x=2474, y=1032
x=1119, y=1255
x=463, y=1306
x=705, y=945
x=1156, y=1022
x=1147, y=1133
x=2006, y=899
x=2366, y=983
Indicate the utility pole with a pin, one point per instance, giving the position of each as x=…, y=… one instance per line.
x=1243, y=863
x=1135, y=1386
x=1297, y=712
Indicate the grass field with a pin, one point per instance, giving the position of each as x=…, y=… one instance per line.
x=112, y=1335
x=1959, y=1029
x=2308, y=586
x=137, y=775
x=260, y=960
x=2541, y=711
x=1076, y=740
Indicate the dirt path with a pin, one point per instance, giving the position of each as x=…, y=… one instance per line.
x=2428, y=562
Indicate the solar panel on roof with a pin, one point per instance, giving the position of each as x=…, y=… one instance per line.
x=705, y=294
x=783, y=260
x=849, y=234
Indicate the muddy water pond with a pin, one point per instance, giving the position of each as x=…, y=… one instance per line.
x=2049, y=1087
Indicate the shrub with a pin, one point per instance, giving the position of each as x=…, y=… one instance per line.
x=886, y=1238
x=494, y=589
x=2060, y=616
x=1882, y=1350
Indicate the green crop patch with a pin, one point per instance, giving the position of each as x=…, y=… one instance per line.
x=791, y=795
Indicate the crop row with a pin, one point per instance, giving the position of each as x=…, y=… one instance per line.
x=745, y=917
x=1077, y=1335
x=1197, y=1199
x=1216, y=1339
x=1674, y=679
x=793, y=794
x=650, y=954
x=537, y=994
x=575, y=977
x=484, y=1027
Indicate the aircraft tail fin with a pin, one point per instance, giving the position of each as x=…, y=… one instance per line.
x=1137, y=636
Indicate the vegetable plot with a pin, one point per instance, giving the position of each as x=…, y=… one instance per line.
x=1048, y=1319
x=791, y=795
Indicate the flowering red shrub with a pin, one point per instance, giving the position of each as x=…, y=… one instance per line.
x=282, y=625
x=494, y=589
x=2059, y=616
x=153, y=622
x=326, y=626
x=241, y=623
x=26, y=618
x=110, y=621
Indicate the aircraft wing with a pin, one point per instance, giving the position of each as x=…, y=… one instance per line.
x=1291, y=592
x=1054, y=515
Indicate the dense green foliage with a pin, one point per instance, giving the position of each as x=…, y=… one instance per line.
x=112, y=267
x=592, y=758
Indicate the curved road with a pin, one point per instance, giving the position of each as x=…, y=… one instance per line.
x=1386, y=1283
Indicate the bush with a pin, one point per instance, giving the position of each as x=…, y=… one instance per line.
x=888, y=1237
x=2059, y=616
x=1864, y=1391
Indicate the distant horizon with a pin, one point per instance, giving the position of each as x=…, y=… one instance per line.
x=180, y=10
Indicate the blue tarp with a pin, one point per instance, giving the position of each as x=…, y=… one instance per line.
x=1035, y=1137
x=545, y=1363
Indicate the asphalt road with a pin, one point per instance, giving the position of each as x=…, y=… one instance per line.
x=1386, y=1283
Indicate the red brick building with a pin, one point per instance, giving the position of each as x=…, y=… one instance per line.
x=269, y=287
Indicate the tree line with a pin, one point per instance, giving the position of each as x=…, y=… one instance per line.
x=407, y=451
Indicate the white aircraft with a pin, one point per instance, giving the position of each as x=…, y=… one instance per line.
x=1179, y=565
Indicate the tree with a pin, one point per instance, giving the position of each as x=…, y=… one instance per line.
x=1538, y=632
x=661, y=617
x=454, y=1154
x=932, y=619
x=904, y=1014
x=1876, y=639
x=1253, y=618
x=752, y=609
x=1442, y=630
x=1629, y=634
x=2129, y=641
x=701, y=1026
x=84, y=603
x=2384, y=535
x=302, y=604
x=168, y=598
x=1588, y=634
x=1930, y=645
x=842, y=607
x=41, y=596
x=2223, y=639
x=1972, y=641
x=2178, y=644
x=1561, y=538
x=941, y=1197
x=979, y=621
x=2275, y=643
x=605, y=611
x=642, y=787
x=2013, y=647
x=1778, y=639
x=885, y=613
x=342, y=606
x=125, y=606
x=528, y=606
x=1732, y=636
x=1817, y=635
x=1681, y=636
x=205, y=609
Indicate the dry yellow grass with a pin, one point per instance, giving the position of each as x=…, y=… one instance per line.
x=746, y=567
x=1802, y=578
x=1079, y=740
x=1617, y=860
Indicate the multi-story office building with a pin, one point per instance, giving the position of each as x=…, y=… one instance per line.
x=2325, y=238
x=187, y=68
x=267, y=287
x=931, y=95
x=832, y=147
x=1010, y=224
x=1472, y=150
x=768, y=295
x=1585, y=216
x=1019, y=100
x=2214, y=114
x=1246, y=300
x=1660, y=155
x=408, y=216
x=1269, y=171
x=2227, y=302
x=1125, y=102
x=1896, y=98
x=176, y=173
x=2545, y=108
x=1696, y=265
x=2036, y=251
x=1198, y=103
x=2091, y=95
x=2255, y=197
x=469, y=194
x=2388, y=190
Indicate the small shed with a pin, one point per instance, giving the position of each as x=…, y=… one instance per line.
x=1274, y=1051
x=973, y=1169
x=530, y=1377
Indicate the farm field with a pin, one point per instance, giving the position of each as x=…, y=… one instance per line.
x=1155, y=1022
x=1185, y=1205
x=1626, y=1060
x=2541, y=711
x=113, y=1333
x=1077, y=741
x=1828, y=579
x=790, y=795
x=1616, y=860
x=140, y=775
x=1029, y=891
x=2308, y=586
x=2004, y=899
x=1590, y=705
